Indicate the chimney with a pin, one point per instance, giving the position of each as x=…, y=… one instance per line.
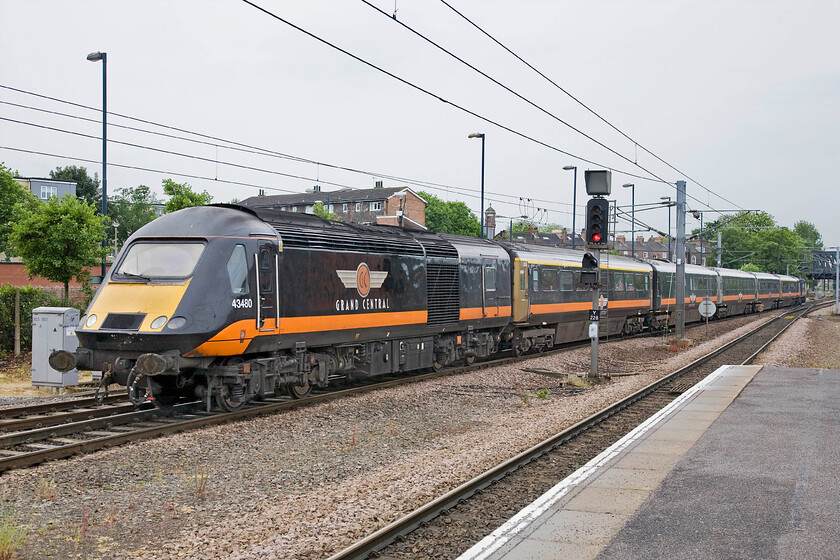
x=377, y=185
x=621, y=238
x=640, y=239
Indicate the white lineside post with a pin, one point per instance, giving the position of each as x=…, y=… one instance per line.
x=679, y=311
x=720, y=249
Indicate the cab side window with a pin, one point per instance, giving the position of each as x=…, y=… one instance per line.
x=237, y=269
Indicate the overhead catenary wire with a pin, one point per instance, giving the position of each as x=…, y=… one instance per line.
x=582, y=104
x=518, y=95
x=246, y=148
x=438, y=97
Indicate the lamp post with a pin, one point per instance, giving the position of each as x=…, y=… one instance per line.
x=95, y=57
x=574, y=202
x=116, y=225
x=632, y=187
x=481, y=212
x=668, y=203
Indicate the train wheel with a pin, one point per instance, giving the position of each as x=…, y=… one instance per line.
x=298, y=391
x=437, y=365
x=230, y=401
x=469, y=360
x=517, y=350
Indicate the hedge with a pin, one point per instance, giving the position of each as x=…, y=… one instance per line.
x=30, y=298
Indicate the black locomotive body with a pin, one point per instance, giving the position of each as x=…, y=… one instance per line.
x=229, y=303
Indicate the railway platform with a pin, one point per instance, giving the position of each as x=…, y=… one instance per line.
x=745, y=464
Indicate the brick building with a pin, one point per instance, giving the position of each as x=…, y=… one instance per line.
x=395, y=206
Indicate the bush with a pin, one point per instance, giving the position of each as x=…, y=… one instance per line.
x=30, y=298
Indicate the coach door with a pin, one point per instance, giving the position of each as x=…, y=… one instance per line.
x=521, y=301
x=268, y=293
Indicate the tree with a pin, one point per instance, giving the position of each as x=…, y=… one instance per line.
x=59, y=239
x=320, y=210
x=131, y=208
x=450, y=217
x=809, y=234
x=182, y=196
x=15, y=199
x=87, y=188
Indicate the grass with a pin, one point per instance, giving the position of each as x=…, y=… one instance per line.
x=45, y=489
x=11, y=535
x=198, y=482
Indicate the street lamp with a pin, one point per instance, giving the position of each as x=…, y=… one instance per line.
x=96, y=57
x=481, y=135
x=632, y=186
x=574, y=202
x=116, y=225
x=668, y=202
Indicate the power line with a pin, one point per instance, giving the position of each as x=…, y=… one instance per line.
x=438, y=97
x=506, y=88
x=137, y=168
x=246, y=148
x=582, y=104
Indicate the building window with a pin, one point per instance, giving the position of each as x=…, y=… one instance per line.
x=358, y=207
x=294, y=208
x=693, y=260
x=47, y=191
x=375, y=206
x=344, y=207
x=645, y=254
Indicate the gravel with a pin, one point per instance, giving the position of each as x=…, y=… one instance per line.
x=306, y=483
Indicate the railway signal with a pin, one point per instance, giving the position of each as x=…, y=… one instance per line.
x=597, y=223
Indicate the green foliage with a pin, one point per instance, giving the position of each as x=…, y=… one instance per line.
x=523, y=226
x=182, y=196
x=131, y=208
x=809, y=234
x=320, y=210
x=87, y=188
x=750, y=267
x=755, y=238
x=59, y=240
x=30, y=298
x=12, y=534
x=450, y=217
x=14, y=199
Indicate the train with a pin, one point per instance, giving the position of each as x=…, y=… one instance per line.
x=231, y=304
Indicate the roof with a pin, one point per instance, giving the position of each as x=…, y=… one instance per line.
x=334, y=197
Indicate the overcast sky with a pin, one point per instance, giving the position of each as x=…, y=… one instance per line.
x=742, y=97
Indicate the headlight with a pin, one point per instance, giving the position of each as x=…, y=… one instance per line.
x=159, y=322
x=90, y=321
x=176, y=322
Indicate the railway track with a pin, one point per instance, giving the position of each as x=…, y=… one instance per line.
x=33, y=434
x=450, y=524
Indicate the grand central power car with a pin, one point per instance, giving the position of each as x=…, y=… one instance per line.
x=229, y=304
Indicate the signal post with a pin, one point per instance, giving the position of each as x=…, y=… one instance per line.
x=597, y=237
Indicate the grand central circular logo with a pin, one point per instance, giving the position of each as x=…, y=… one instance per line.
x=363, y=279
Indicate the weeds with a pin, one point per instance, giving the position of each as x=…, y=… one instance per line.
x=11, y=535
x=45, y=489
x=198, y=482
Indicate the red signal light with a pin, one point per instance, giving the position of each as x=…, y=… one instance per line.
x=596, y=238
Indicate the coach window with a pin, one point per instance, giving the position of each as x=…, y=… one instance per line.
x=489, y=278
x=551, y=280
x=618, y=281
x=641, y=283
x=237, y=269
x=521, y=280
x=629, y=284
x=535, y=276
x=567, y=282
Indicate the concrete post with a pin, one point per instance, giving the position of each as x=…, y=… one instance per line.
x=679, y=311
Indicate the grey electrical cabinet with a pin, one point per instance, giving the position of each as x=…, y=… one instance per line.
x=53, y=328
